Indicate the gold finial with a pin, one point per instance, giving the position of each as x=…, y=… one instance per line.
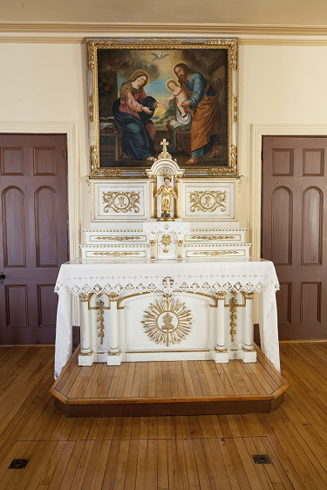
x=164, y=154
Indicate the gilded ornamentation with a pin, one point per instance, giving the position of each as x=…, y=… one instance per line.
x=207, y=201
x=167, y=321
x=235, y=108
x=127, y=238
x=166, y=192
x=117, y=254
x=90, y=107
x=233, y=153
x=166, y=241
x=113, y=296
x=100, y=319
x=212, y=237
x=164, y=154
x=221, y=295
x=84, y=297
x=233, y=316
x=216, y=253
x=121, y=202
x=94, y=158
x=112, y=173
x=247, y=296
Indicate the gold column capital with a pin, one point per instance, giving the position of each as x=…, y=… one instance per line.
x=247, y=296
x=84, y=297
x=113, y=296
x=221, y=295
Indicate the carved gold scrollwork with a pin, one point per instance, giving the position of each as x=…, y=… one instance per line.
x=233, y=316
x=121, y=202
x=207, y=201
x=100, y=319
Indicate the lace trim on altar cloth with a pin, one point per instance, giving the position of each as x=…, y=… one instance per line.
x=77, y=286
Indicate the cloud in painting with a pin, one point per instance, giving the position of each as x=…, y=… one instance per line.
x=125, y=63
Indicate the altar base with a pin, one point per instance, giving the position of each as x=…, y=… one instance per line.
x=168, y=388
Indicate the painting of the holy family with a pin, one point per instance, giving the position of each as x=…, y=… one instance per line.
x=145, y=95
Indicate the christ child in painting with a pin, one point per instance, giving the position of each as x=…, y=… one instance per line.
x=183, y=114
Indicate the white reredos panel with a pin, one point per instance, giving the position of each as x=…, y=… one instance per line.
x=129, y=217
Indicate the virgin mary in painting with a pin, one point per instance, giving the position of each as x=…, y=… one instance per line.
x=133, y=112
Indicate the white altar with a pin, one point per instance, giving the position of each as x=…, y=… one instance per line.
x=206, y=299
x=166, y=276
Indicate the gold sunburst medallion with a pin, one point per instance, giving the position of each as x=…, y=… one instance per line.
x=167, y=321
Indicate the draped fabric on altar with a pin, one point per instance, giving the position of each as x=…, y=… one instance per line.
x=140, y=276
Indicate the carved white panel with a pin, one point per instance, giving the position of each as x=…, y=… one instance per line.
x=207, y=200
x=137, y=331
x=117, y=200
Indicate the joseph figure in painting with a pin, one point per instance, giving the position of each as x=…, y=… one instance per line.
x=203, y=100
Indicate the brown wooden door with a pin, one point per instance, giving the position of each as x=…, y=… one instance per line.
x=34, y=239
x=294, y=232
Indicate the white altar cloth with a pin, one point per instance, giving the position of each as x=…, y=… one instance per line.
x=208, y=276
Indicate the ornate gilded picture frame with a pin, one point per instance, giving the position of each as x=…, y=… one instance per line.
x=140, y=91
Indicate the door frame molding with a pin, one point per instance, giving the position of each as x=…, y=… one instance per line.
x=73, y=168
x=255, y=169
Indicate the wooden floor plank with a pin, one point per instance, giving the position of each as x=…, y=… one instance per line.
x=192, y=452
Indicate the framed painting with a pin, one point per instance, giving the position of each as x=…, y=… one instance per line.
x=141, y=91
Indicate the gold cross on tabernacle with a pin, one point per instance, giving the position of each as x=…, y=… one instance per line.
x=164, y=145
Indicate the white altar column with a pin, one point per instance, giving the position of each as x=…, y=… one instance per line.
x=114, y=354
x=220, y=354
x=249, y=353
x=85, y=357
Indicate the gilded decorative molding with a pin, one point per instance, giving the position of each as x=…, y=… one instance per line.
x=233, y=316
x=118, y=238
x=221, y=295
x=90, y=107
x=216, y=253
x=100, y=319
x=212, y=237
x=121, y=202
x=95, y=160
x=167, y=321
x=207, y=201
x=117, y=254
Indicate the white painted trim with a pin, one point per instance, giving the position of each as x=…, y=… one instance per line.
x=255, y=177
x=73, y=177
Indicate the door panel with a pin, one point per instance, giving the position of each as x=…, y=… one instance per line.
x=13, y=223
x=34, y=237
x=294, y=234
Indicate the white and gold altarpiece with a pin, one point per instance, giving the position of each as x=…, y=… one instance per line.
x=165, y=274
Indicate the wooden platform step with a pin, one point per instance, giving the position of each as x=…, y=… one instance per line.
x=168, y=388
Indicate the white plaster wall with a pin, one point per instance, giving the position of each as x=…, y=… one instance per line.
x=279, y=84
